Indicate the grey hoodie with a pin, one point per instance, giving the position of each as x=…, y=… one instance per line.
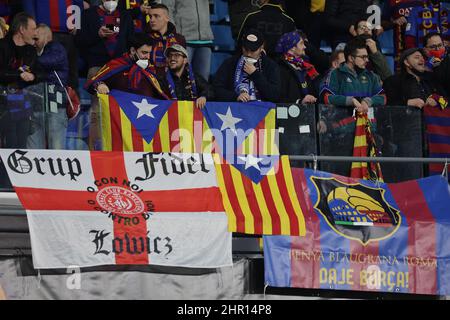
x=191, y=17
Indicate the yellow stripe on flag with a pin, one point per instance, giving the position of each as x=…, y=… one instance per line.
x=242, y=199
x=266, y=218
x=164, y=133
x=186, y=126
x=232, y=225
x=105, y=122
x=148, y=147
x=293, y=194
x=207, y=138
x=127, y=136
x=279, y=204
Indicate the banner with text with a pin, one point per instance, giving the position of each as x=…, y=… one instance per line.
x=104, y=208
x=365, y=236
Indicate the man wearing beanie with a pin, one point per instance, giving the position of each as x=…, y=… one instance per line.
x=298, y=77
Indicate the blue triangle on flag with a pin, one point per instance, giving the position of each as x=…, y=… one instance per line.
x=254, y=167
x=234, y=121
x=144, y=113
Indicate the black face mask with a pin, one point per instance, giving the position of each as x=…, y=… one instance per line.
x=359, y=69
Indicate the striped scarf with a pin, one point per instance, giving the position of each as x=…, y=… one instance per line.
x=365, y=146
x=191, y=85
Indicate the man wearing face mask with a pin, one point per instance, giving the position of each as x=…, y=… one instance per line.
x=438, y=60
x=249, y=76
x=414, y=86
x=104, y=34
x=430, y=17
x=351, y=84
x=377, y=61
x=131, y=72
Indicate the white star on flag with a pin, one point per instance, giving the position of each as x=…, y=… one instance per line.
x=145, y=108
x=251, y=161
x=228, y=120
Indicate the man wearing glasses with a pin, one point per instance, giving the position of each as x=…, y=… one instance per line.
x=352, y=84
x=438, y=59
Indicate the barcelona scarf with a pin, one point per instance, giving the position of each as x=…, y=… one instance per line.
x=365, y=146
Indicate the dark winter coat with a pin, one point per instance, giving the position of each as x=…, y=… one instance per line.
x=266, y=81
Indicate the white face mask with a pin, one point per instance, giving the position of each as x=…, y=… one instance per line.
x=110, y=6
x=142, y=63
x=250, y=60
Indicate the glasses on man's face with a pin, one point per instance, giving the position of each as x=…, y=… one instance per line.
x=175, y=55
x=365, y=57
x=436, y=46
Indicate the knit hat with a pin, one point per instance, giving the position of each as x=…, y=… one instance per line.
x=287, y=41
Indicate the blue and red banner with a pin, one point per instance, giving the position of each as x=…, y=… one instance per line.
x=365, y=236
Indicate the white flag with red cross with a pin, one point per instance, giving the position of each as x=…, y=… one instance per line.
x=104, y=208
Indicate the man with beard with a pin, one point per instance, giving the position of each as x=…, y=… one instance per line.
x=181, y=82
x=131, y=72
x=377, y=61
x=413, y=86
x=351, y=84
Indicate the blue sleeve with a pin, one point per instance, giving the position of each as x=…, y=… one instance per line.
x=29, y=6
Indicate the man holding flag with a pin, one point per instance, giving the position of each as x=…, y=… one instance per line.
x=353, y=85
x=131, y=72
x=181, y=82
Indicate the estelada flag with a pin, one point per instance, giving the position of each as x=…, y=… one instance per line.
x=366, y=236
x=105, y=208
x=267, y=207
x=133, y=122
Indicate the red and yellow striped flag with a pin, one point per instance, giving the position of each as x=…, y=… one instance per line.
x=364, y=146
x=182, y=129
x=270, y=207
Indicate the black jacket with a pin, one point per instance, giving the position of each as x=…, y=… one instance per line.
x=92, y=46
x=271, y=21
x=291, y=88
x=12, y=57
x=442, y=74
x=266, y=81
x=204, y=89
x=340, y=15
x=402, y=87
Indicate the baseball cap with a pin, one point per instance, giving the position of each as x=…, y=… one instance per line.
x=409, y=52
x=176, y=47
x=252, y=40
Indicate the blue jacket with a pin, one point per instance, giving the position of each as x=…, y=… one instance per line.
x=54, y=58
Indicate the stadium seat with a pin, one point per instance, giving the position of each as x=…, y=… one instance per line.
x=386, y=42
x=217, y=59
x=219, y=11
x=223, y=40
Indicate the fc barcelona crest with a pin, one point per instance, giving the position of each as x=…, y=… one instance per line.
x=355, y=211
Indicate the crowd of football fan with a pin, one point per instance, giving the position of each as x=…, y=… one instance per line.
x=162, y=49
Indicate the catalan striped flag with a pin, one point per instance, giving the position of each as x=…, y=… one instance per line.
x=438, y=135
x=364, y=146
x=269, y=207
